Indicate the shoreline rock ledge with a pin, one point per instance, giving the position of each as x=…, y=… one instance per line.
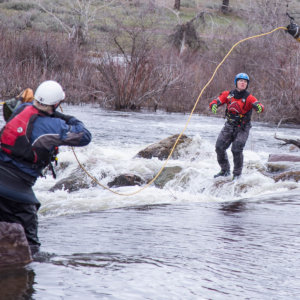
x=14, y=248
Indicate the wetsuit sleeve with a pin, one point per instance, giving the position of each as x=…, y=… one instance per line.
x=254, y=103
x=49, y=132
x=222, y=99
x=77, y=134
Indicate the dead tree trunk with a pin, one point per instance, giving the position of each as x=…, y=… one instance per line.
x=225, y=6
x=186, y=36
x=177, y=5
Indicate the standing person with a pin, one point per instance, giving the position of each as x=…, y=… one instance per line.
x=9, y=106
x=236, y=129
x=29, y=142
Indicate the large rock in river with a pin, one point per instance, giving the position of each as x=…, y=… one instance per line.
x=14, y=248
x=162, y=149
x=75, y=182
x=167, y=174
x=283, y=167
x=71, y=184
x=126, y=180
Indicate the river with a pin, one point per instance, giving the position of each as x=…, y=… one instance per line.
x=197, y=238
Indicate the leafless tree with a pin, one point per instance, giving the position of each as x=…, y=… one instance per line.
x=134, y=73
x=276, y=71
x=83, y=13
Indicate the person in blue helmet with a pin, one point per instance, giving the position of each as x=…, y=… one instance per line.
x=239, y=105
x=29, y=142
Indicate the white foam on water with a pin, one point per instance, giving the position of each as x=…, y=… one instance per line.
x=193, y=183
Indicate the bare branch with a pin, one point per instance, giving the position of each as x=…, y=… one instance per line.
x=289, y=141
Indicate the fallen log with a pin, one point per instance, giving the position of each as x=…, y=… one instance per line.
x=288, y=141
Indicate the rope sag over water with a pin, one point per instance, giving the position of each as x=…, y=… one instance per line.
x=186, y=124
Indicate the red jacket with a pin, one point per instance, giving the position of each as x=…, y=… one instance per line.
x=237, y=106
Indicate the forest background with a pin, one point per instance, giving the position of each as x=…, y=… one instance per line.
x=152, y=54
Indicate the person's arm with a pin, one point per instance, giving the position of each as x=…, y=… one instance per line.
x=222, y=99
x=256, y=105
x=74, y=131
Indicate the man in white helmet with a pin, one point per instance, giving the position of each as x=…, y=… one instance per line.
x=29, y=141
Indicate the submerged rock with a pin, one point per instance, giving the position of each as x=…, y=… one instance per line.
x=71, y=184
x=162, y=149
x=275, y=167
x=126, y=180
x=166, y=175
x=14, y=248
x=290, y=175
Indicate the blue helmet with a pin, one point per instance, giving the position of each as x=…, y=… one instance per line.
x=241, y=76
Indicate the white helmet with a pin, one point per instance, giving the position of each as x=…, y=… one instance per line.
x=49, y=93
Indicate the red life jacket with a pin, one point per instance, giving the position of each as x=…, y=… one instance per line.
x=234, y=111
x=15, y=138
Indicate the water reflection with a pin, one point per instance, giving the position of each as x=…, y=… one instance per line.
x=114, y=261
x=233, y=207
x=17, y=284
x=146, y=207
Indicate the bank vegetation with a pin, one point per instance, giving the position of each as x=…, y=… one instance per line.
x=132, y=55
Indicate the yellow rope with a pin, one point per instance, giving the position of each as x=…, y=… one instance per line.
x=188, y=121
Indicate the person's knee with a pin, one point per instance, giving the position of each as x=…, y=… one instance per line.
x=237, y=148
x=220, y=147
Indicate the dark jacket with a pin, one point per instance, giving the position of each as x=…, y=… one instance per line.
x=48, y=132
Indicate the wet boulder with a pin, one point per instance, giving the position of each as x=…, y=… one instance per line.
x=289, y=175
x=283, y=157
x=166, y=175
x=14, y=248
x=126, y=180
x=71, y=184
x=162, y=149
x=283, y=167
x=276, y=167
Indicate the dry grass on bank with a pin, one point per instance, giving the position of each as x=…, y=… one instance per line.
x=129, y=62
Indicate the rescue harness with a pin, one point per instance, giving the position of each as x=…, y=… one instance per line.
x=233, y=111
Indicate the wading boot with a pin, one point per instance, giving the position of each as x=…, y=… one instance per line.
x=222, y=173
x=236, y=177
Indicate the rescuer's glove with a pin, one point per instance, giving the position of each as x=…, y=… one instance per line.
x=258, y=107
x=294, y=30
x=214, y=108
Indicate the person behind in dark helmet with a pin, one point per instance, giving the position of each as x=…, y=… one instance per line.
x=29, y=140
x=9, y=106
x=238, y=113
